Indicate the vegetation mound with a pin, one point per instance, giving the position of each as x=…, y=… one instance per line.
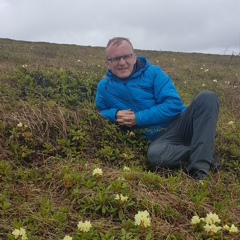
x=66, y=173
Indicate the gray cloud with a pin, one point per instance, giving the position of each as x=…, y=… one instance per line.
x=173, y=25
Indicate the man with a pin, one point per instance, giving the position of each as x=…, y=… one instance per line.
x=136, y=94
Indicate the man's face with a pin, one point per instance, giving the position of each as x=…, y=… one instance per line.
x=121, y=60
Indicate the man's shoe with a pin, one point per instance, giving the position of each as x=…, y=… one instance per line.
x=198, y=174
x=215, y=166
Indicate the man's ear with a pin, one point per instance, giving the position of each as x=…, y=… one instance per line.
x=107, y=64
x=135, y=58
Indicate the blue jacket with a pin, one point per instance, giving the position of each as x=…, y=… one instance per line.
x=149, y=92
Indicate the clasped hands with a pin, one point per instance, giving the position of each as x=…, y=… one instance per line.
x=126, y=118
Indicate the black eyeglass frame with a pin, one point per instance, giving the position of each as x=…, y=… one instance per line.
x=118, y=59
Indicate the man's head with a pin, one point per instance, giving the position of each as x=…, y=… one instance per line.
x=120, y=57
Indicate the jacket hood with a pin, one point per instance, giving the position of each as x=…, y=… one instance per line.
x=141, y=64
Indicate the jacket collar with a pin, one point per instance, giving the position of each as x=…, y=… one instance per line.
x=141, y=64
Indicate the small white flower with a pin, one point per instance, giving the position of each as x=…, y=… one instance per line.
x=206, y=70
x=203, y=85
x=215, y=80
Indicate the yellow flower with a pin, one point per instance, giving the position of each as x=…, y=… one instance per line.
x=126, y=169
x=142, y=218
x=211, y=228
x=212, y=218
x=21, y=232
x=131, y=133
x=97, y=172
x=233, y=229
x=195, y=220
x=121, y=198
x=19, y=125
x=226, y=227
x=84, y=226
x=67, y=237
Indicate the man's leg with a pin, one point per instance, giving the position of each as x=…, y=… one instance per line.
x=190, y=138
x=198, y=127
x=168, y=151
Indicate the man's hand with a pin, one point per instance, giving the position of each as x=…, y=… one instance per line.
x=126, y=118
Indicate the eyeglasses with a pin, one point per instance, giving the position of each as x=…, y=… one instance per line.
x=118, y=59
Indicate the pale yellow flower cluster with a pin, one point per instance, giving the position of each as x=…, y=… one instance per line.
x=196, y=220
x=232, y=229
x=67, y=237
x=130, y=133
x=20, y=234
x=121, y=198
x=212, y=218
x=212, y=228
x=142, y=219
x=230, y=123
x=97, y=172
x=19, y=125
x=126, y=169
x=84, y=226
x=212, y=221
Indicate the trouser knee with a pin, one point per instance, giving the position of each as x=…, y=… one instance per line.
x=154, y=157
x=209, y=97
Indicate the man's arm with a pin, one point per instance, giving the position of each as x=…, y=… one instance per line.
x=168, y=103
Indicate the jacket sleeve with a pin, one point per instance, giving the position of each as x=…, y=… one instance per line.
x=108, y=112
x=168, y=103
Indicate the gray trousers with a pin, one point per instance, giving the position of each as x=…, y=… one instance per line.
x=190, y=138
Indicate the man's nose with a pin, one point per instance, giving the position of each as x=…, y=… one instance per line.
x=122, y=60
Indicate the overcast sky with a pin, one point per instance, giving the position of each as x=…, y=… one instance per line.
x=206, y=26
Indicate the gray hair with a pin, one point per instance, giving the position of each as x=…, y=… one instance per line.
x=116, y=41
